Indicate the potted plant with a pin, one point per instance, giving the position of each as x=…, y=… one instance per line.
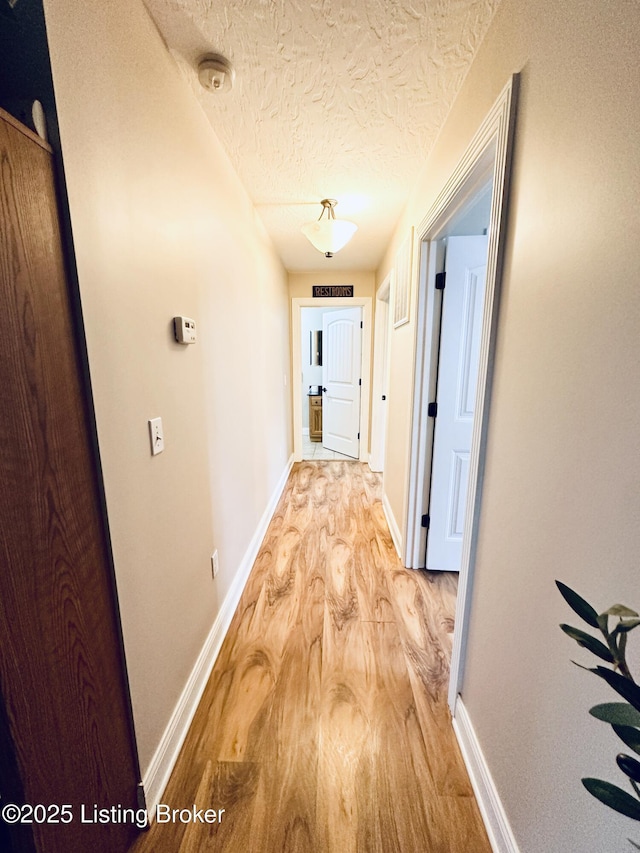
x=623, y=717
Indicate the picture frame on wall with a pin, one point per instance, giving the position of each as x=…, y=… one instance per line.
x=402, y=282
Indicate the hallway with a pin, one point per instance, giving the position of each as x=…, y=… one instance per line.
x=324, y=726
x=315, y=450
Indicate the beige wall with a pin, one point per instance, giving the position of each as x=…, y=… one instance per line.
x=561, y=496
x=162, y=227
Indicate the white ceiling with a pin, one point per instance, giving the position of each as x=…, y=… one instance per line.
x=332, y=98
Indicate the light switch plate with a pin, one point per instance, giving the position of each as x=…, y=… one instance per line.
x=156, y=436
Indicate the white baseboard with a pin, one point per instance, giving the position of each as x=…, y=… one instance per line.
x=157, y=775
x=491, y=808
x=393, y=525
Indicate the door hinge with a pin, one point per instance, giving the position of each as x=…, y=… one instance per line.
x=432, y=410
x=426, y=521
x=359, y=381
x=441, y=278
x=384, y=396
x=358, y=436
x=361, y=324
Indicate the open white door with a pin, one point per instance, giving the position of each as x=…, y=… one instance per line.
x=461, y=330
x=341, y=373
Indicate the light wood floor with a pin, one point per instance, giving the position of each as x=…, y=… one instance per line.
x=324, y=727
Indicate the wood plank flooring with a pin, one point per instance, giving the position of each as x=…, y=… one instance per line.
x=324, y=727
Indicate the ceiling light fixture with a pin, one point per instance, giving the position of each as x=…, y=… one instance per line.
x=329, y=235
x=215, y=73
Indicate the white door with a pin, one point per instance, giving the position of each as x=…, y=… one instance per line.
x=341, y=366
x=461, y=329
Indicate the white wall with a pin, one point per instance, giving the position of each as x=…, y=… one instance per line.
x=561, y=496
x=162, y=227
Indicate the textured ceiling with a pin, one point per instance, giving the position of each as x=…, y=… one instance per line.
x=332, y=98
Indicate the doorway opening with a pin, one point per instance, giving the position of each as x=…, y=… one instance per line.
x=461, y=249
x=330, y=356
x=345, y=404
x=460, y=383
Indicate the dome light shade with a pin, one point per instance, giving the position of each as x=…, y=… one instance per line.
x=329, y=235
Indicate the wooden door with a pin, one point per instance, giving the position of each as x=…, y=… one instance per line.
x=62, y=678
x=462, y=312
x=341, y=371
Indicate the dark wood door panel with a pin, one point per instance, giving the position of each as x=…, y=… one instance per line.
x=61, y=668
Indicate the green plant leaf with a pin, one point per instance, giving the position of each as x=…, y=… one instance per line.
x=613, y=797
x=620, y=610
x=627, y=688
x=629, y=766
x=622, y=646
x=584, y=610
x=629, y=736
x=616, y=713
x=625, y=626
x=588, y=642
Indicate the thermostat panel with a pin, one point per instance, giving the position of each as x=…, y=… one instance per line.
x=185, y=330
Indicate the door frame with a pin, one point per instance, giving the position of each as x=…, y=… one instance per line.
x=297, y=304
x=381, y=365
x=488, y=154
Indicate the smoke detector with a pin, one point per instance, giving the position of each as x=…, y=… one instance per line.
x=215, y=73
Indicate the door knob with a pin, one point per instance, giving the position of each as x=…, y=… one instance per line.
x=324, y=390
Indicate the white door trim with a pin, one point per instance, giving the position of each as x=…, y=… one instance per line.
x=490, y=150
x=381, y=363
x=297, y=304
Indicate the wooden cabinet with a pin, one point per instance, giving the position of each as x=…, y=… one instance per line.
x=315, y=417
